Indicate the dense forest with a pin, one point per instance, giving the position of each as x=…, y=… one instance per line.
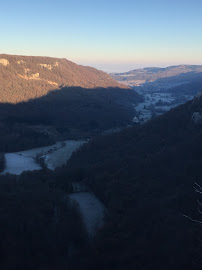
x=40, y=227
x=2, y=162
x=145, y=176
x=71, y=112
x=44, y=99
x=188, y=88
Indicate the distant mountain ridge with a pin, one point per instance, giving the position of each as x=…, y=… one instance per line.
x=27, y=77
x=150, y=74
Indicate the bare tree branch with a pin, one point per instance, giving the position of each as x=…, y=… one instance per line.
x=199, y=210
x=197, y=190
x=198, y=186
x=194, y=220
x=199, y=203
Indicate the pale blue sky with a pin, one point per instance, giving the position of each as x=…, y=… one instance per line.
x=108, y=34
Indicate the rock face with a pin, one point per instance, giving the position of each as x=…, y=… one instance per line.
x=49, y=67
x=31, y=77
x=4, y=62
x=27, y=77
x=20, y=62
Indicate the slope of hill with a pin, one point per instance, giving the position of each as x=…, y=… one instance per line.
x=145, y=177
x=140, y=76
x=27, y=77
x=70, y=113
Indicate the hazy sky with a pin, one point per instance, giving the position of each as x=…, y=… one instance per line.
x=112, y=35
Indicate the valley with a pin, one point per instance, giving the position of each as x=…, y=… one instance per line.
x=87, y=181
x=158, y=101
x=55, y=156
x=101, y=135
x=162, y=88
x=145, y=176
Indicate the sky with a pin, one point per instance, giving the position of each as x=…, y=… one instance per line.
x=112, y=35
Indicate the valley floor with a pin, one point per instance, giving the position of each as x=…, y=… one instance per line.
x=54, y=156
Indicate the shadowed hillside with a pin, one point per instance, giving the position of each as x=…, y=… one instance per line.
x=27, y=77
x=145, y=176
x=71, y=112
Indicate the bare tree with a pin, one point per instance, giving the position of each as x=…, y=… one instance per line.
x=197, y=189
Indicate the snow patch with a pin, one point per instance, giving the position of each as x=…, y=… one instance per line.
x=59, y=157
x=92, y=211
x=16, y=164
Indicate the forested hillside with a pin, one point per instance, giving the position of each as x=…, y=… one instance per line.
x=40, y=227
x=145, y=176
x=72, y=112
x=28, y=77
x=173, y=74
x=44, y=99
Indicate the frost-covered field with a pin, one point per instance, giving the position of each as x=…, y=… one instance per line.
x=55, y=156
x=158, y=103
x=151, y=99
x=16, y=164
x=62, y=154
x=92, y=210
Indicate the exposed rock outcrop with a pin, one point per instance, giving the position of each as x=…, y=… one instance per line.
x=49, y=67
x=4, y=62
x=31, y=77
x=21, y=62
